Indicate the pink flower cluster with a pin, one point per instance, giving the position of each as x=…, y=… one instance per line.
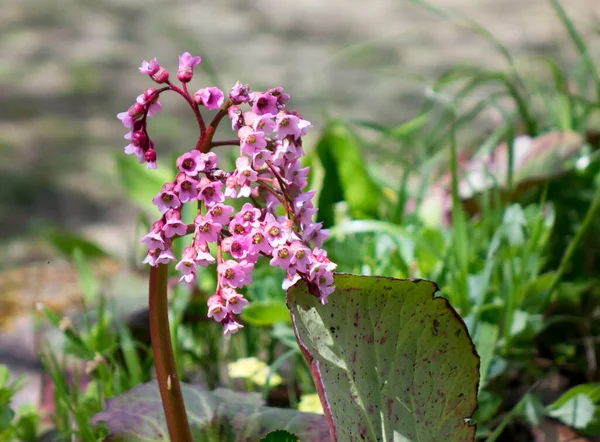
x=276, y=222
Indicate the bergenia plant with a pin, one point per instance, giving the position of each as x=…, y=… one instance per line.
x=276, y=221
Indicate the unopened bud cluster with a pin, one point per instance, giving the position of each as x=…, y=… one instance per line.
x=277, y=219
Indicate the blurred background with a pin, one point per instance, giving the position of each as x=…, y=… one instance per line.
x=69, y=66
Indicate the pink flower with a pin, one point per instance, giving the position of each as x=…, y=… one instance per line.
x=239, y=93
x=152, y=257
x=251, y=140
x=206, y=228
x=263, y=122
x=210, y=161
x=275, y=233
x=210, y=97
x=150, y=157
x=187, y=265
x=156, y=71
x=231, y=273
x=154, y=239
x=287, y=125
x=245, y=175
x=149, y=99
x=259, y=243
x=314, y=234
x=190, y=163
x=219, y=213
x=166, y=198
x=186, y=66
x=203, y=257
x=300, y=256
x=134, y=113
x=132, y=149
x=165, y=256
x=230, y=326
x=247, y=267
x=290, y=280
x=295, y=175
x=210, y=192
x=235, y=115
x=281, y=96
x=259, y=158
x=238, y=228
x=319, y=263
x=216, y=308
x=186, y=188
x=231, y=186
x=248, y=215
x=264, y=103
x=174, y=226
x=149, y=68
x=237, y=246
x=281, y=257
x=235, y=302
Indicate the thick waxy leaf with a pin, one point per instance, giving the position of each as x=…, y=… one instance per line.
x=390, y=361
x=219, y=415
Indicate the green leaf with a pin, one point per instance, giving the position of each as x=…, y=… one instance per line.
x=394, y=361
x=280, y=436
x=66, y=243
x=266, y=313
x=220, y=415
x=577, y=408
x=488, y=406
x=6, y=417
x=140, y=184
x=485, y=340
x=346, y=177
x=532, y=409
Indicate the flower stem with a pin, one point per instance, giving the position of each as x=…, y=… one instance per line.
x=166, y=372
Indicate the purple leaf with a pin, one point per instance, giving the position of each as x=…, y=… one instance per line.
x=222, y=415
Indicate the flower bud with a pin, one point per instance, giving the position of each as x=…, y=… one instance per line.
x=161, y=75
x=186, y=66
x=136, y=111
x=150, y=155
x=139, y=139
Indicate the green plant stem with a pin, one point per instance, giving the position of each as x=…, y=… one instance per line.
x=589, y=216
x=166, y=372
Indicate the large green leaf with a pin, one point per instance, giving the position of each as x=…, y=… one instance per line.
x=346, y=177
x=390, y=360
x=220, y=415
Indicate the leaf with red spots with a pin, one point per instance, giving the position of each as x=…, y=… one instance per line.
x=220, y=415
x=390, y=361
